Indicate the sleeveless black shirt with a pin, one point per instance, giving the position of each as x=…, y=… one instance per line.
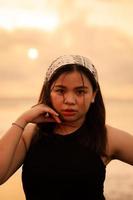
x=60, y=168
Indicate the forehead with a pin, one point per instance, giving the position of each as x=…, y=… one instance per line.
x=74, y=78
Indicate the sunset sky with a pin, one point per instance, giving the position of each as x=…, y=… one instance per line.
x=34, y=32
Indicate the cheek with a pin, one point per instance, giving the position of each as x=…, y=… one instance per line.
x=55, y=99
x=86, y=102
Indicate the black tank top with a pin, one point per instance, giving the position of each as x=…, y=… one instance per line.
x=60, y=168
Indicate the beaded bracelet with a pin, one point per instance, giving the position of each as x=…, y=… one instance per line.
x=18, y=125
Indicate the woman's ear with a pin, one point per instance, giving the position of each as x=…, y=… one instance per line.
x=93, y=98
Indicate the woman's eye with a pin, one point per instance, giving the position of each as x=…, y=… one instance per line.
x=81, y=92
x=60, y=91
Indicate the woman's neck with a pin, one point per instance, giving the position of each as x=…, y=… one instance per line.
x=65, y=128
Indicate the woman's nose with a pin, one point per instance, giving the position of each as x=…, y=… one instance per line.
x=69, y=99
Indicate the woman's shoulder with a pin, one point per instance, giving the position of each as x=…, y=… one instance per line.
x=115, y=134
x=119, y=144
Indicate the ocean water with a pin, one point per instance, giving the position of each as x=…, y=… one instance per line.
x=119, y=176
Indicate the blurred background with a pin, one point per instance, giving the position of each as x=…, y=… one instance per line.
x=34, y=32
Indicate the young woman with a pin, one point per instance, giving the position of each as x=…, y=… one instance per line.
x=63, y=142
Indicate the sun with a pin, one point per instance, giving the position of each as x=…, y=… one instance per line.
x=33, y=53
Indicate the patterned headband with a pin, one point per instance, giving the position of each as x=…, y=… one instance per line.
x=71, y=59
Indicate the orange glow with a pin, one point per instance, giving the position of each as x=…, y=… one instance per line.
x=11, y=19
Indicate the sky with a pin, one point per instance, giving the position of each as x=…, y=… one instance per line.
x=35, y=32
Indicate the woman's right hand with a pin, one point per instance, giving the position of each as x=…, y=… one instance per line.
x=39, y=113
x=15, y=142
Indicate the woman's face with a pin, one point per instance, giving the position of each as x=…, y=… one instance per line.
x=71, y=96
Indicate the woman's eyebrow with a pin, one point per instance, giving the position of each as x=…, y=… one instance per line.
x=60, y=86
x=82, y=87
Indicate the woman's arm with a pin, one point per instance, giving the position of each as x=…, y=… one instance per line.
x=11, y=158
x=16, y=141
x=120, y=145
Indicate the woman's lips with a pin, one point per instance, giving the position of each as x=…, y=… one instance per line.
x=68, y=112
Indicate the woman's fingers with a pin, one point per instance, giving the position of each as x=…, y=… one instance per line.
x=57, y=119
x=52, y=117
x=43, y=111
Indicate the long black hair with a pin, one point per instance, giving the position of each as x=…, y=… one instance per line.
x=95, y=118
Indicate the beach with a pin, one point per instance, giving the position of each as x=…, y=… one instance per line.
x=119, y=176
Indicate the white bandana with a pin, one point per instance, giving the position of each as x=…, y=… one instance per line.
x=71, y=59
